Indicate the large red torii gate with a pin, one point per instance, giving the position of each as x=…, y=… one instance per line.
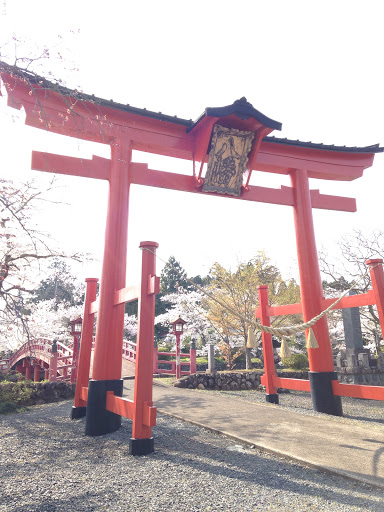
x=126, y=128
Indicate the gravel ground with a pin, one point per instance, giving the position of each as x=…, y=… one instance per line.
x=355, y=409
x=47, y=464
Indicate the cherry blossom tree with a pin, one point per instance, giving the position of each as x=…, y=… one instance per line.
x=24, y=249
x=188, y=305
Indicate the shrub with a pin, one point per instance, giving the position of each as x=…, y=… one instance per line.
x=163, y=357
x=14, y=395
x=296, y=362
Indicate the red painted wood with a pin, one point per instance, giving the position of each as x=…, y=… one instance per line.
x=119, y=405
x=320, y=359
x=296, y=384
x=36, y=373
x=140, y=175
x=84, y=394
x=269, y=363
x=93, y=307
x=144, y=348
x=287, y=309
x=377, y=278
x=110, y=318
x=97, y=168
x=351, y=301
x=327, y=202
x=104, y=124
x=357, y=391
x=86, y=342
x=127, y=294
x=155, y=359
x=75, y=358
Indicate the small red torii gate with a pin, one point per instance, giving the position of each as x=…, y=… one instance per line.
x=126, y=128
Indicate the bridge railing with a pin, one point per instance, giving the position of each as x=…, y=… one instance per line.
x=57, y=365
x=129, y=350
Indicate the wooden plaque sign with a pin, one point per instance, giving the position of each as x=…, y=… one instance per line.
x=227, y=160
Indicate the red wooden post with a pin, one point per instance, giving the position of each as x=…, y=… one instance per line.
x=46, y=374
x=36, y=373
x=322, y=370
x=192, y=358
x=53, y=363
x=178, y=365
x=84, y=359
x=269, y=362
x=377, y=278
x=141, y=442
x=106, y=374
x=28, y=368
x=19, y=368
x=75, y=357
x=155, y=357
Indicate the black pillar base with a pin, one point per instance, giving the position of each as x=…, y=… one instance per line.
x=141, y=446
x=323, y=399
x=272, y=398
x=98, y=420
x=78, y=412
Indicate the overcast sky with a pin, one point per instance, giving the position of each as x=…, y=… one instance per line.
x=314, y=66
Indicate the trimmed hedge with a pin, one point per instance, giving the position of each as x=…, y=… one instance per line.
x=15, y=395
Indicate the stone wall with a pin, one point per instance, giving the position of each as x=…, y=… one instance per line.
x=362, y=376
x=227, y=381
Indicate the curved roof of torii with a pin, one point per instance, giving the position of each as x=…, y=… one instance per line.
x=69, y=112
x=241, y=108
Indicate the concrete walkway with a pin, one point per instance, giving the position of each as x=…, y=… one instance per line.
x=337, y=445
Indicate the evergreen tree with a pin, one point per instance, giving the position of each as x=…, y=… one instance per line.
x=61, y=286
x=173, y=277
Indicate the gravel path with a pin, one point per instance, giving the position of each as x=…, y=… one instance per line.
x=47, y=464
x=355, y=409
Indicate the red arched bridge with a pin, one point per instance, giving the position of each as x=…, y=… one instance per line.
x=41, y=358
x=44, y=359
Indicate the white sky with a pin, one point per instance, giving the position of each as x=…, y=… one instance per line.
x=314, y=66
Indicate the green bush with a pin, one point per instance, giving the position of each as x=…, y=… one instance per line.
x=15, y=395
x=296, y=362
x=163, y=357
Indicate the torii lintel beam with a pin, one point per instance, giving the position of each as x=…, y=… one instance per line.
x=98, y=168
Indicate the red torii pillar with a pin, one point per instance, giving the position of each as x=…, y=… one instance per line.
x=322, y=371
x=106, y=375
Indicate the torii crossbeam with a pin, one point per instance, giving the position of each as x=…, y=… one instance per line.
x=126, y=128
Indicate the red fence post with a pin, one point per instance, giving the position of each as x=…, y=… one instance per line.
x=192, y=358
x=178, y=359
x=75, y=358
x=155, y=357
x=269, y=362
x=84, y=359
x=53, y=363
x=141, y=442
x=377, y=278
